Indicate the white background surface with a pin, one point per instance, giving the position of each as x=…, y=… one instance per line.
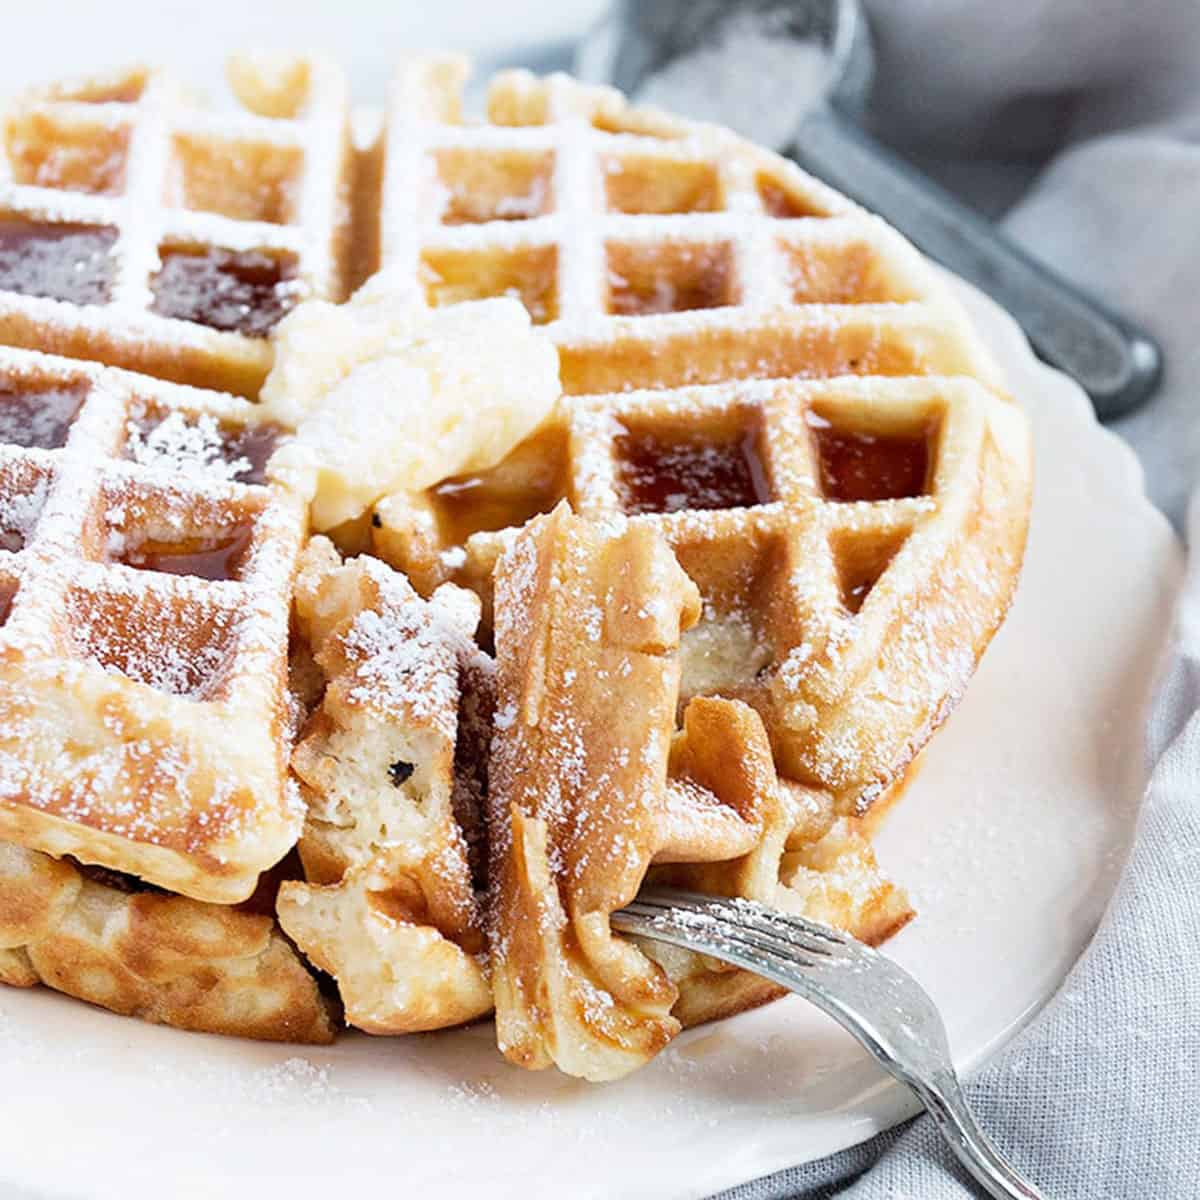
x=48, y=39
x=1010, y=839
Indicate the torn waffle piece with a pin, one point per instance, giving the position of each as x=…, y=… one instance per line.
x=392, y=766
x=803, y=859
x=587, y=633
x=591, y=795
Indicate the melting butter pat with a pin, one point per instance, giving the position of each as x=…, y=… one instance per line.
x=385, y=395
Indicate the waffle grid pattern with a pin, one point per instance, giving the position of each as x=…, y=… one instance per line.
x=136, y=189
x=820, y=507
x=142, y=708
x=676, y=262
x=752, y=366
x=657, y=253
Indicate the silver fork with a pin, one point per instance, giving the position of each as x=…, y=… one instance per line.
x=879, y=1003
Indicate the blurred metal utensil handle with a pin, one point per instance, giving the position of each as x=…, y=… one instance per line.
x=1117, y=364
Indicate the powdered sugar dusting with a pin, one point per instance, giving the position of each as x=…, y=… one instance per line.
x=20, y=510
x=196, y=449
x=87, y=260
x=405, y=655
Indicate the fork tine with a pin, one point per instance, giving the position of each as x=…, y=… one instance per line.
x=693, y=926
x=709, y=923
x=725, y=944
x=786, y=928
x=750, y=910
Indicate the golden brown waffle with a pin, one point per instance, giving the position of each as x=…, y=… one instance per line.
x=785, y=390
x=587, y=633
x=803, y=859
x=855, y=542
x=765, y=387
x=391, y=766
x=657, y=252
x=856, y=531
x=146, y=576
x=142, y=230
x=142, y=953
x=588, y=794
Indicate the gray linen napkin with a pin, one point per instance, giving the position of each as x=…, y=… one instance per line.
x=1080, y=119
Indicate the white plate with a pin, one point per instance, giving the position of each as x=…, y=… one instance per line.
x=1010, y=841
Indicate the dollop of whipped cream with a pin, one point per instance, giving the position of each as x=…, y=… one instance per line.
x=385, y=395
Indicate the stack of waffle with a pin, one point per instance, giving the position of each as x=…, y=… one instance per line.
x=732, y=585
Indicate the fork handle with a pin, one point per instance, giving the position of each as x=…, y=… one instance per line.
x=943, y=1098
